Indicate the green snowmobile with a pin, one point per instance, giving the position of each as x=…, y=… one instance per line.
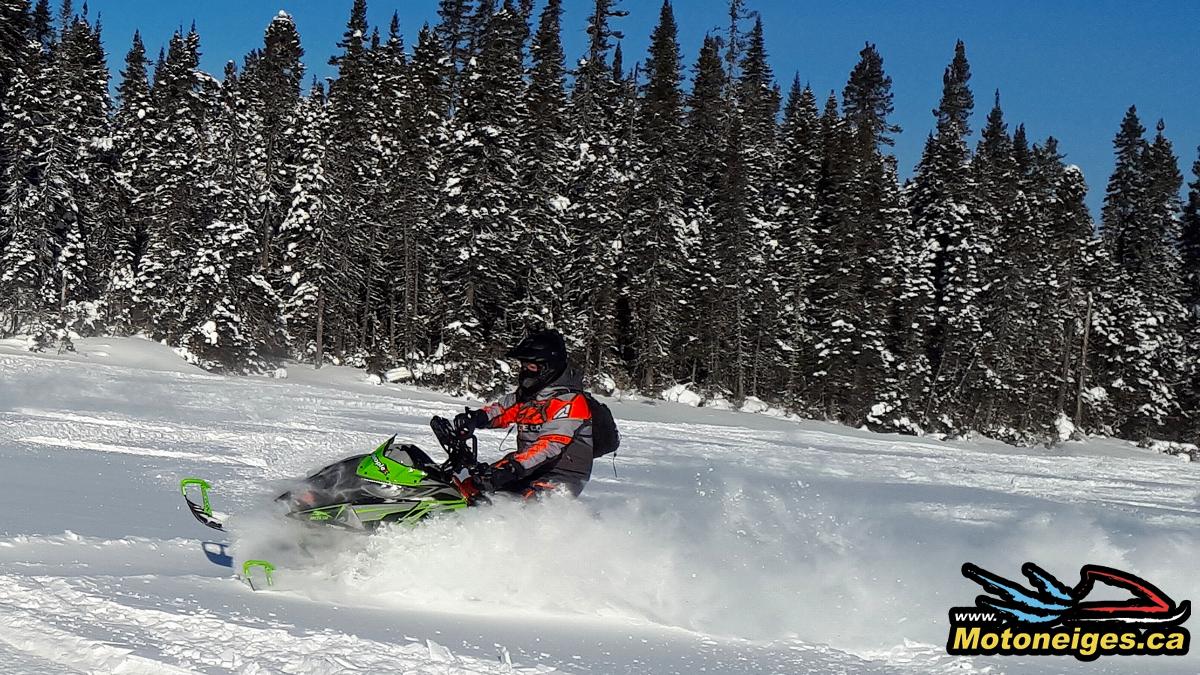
x=392, y=484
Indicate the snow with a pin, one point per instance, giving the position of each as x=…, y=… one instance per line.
x=725, y=542
x=680, y=393
x=560, y=203
x=1064, y=428
x=209, y=330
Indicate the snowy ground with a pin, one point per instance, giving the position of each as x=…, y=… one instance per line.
x=726, y=543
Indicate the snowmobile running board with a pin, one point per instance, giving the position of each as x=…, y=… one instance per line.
x=203, y=511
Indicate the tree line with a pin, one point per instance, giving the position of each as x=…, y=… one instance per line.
x=700, y=225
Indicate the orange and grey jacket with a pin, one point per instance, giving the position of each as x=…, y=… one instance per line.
x=554, y=436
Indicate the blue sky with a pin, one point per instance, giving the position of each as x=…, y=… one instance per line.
x=1067, y=68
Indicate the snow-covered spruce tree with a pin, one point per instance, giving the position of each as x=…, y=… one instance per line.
x=1038, y=307
x=42, y=266
x=453, y=34
x=231, y=315
x=1189, y=249
x=656, y=231
x=272, y=88
x=758, y=99
x=1125, y=199
x=16, y=26
x=383, y=258
x=1142, y=354
x=352, y=166
x=1012, y=316
x=414, y=184
x=26, y=225
x=316, y=247
x=83, y=78
x=704, y=133
x=1069, y=278
x=184, y=200
x=794, y=208
x=1164, y=297
x=856, y=275
x=744, y=350
x=43, y=31
x=945, y=209
x=390, y=70
x=595, y=191
x=546, y=159
x=133, y=142
x=833, y=285
x=1189, y=243
x=482, y=198
x=625, y=104
x=478, y=23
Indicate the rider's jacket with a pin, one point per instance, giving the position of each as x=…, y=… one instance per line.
x=554, y=435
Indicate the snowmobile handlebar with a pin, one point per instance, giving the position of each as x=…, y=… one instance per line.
x=454, y=440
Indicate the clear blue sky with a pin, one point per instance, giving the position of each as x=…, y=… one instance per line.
x=1067, y=68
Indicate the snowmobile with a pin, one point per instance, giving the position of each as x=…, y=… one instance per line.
x=391, y=484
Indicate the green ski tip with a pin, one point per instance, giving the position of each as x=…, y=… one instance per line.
x=204, y=488
x=266, y=567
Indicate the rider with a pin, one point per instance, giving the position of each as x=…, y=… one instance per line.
x=554, y=424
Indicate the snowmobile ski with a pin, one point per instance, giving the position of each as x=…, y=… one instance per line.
x=202, y=511
x=267, y=568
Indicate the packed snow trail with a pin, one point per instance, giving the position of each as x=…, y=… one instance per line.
x=727, y=542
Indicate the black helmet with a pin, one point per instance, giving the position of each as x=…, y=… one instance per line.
x=548, y=350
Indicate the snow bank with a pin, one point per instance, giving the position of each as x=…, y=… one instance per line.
x=681, y=393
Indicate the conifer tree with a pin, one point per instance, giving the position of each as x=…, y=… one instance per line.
x=353, y=155
x=1013, y=315
x=15, y=27
x=43, y=27
x=315, y=251
x=945, y=212
x=44, y=210
x=546, y=160
x=418, y=178
x=1189, y=249
x=232, y=314
x=1143, y=358
x=594, y=189
x=1189, y=243
x=482, y=199
x=706, y=119
x=182, y=205
x=795, y=210
x=272, y=87
x=83, y=76
x=745, y=227
x=133, y=139
x=861, y=243
x=1125, y=198
x=656, y=230
x=34, y=206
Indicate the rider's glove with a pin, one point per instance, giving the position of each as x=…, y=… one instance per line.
x=465, y=423
x=490, y=478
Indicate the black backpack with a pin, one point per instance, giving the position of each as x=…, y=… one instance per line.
x=605, y=437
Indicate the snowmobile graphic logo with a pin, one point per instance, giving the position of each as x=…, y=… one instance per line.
x=380, y=465
x=1053, y=618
